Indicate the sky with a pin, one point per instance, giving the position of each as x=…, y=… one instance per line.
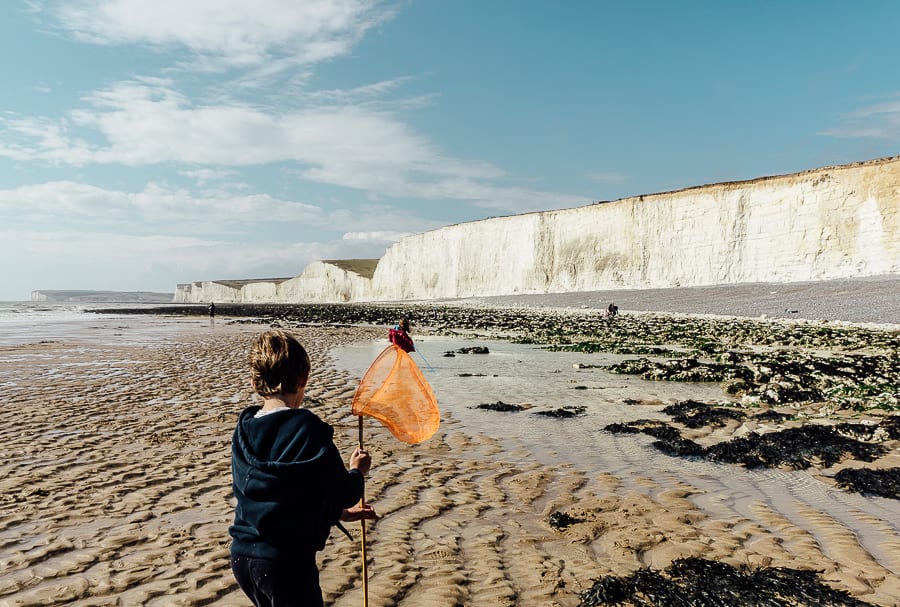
x=146, y=144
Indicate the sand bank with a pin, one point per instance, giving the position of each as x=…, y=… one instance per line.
x=116, y=490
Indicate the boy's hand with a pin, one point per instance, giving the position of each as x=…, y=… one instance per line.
x=355, y=513
x=361, y=460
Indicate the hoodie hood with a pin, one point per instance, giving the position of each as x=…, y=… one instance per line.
x=282, y=441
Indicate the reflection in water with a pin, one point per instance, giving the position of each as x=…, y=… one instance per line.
x=525, y=374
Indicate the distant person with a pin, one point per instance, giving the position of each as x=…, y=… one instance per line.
x=212, y=310
x=611, y=310
x=399, y=336
x=289, y=481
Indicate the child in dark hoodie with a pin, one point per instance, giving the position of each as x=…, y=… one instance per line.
x=289, y=480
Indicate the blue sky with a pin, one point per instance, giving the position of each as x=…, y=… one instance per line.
x=145, y=144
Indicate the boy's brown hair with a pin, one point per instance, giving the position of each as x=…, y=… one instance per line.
x=278, y=363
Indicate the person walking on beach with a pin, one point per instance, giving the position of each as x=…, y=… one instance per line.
x=289, y=480
x=399, y=335
x=212, y=309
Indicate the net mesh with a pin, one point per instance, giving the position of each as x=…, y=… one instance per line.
x=395, y=392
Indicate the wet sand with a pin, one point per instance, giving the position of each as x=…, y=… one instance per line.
x=115, y=490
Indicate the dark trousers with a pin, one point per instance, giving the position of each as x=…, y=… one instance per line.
x=278, y=583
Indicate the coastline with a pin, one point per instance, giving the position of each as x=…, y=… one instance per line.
x=117, y=487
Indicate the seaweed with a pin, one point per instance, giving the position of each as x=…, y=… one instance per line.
x=697, y=582
x=680, y=447
x=562, y=520
x=772, y=416
x=891, y=425
x=500, y=406
x=798, y=447
x=694, y=414
x=884, y=482
x=562, y=412
x=795, y=447
x=619, y=428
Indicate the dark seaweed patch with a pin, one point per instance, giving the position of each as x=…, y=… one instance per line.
x=661, y=431
x=680, y=447
x=798, y=448
x=562, y=412
x=794, y=447
x=473, y=350
x=891, y=424
x=696, y=582
x=772, y=416
x=500, y=406
x=885, y=483
x=694, y=414
x=618, y=428
x=562, y=520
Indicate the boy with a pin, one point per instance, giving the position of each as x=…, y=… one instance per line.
x=289, y=480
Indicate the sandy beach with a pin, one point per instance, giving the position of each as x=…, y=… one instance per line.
x=115, y=489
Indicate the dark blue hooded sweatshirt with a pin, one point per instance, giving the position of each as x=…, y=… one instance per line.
x=290, y=483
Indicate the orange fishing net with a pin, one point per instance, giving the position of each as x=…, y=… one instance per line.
x=395, y=392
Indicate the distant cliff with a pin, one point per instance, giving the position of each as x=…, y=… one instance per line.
x=828, y=223
x=102, y=296
x=330, y=281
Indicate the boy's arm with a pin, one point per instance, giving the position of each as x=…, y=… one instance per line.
x=346, y=486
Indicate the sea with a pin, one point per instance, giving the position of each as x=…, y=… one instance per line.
x=23, y=322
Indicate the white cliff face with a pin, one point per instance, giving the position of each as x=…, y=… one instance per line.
x=260, y=292
x=835, y=222
x=319, y=282
x=324, y=282
x=829, y=223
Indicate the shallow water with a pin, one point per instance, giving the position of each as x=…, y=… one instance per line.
x=526, y=374
x=36, y=322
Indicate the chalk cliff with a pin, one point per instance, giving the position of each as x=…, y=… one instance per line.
x=828, y=223
x=321, y=281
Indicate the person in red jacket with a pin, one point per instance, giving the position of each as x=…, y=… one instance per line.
x=399, y=335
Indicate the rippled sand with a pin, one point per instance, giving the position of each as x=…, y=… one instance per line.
x=115, y=490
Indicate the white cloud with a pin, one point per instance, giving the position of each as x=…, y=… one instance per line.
x=232, y=33
x=204, y=176
x=880, y=121
x=380, y=236
x=146, y=121
x=67, y=201
x=162, y=208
